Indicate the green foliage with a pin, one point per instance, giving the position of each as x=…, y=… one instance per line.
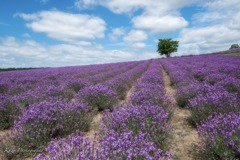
x=218, y=150
x=102, y=102
x=7, y=115
x=182, y=99
x=212, y=81
x=234, y=46
x=38, y=138
x=77, y=87
x=235, y=54
x=121, y=90
x=232, y=88
x=203, y=111
x=167, y=46
x=198, y=115
x=15, y=69
x=3, y=88
x=199, y=77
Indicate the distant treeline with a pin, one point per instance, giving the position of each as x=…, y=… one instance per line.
x=16, y=69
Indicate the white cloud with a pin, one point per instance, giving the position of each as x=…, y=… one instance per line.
x=220, y=22
x=155, y=16
x=139, y=45
x=15, y=53
x=159, y=24
x=116, y=33
x=136, y=36
x=234, y=22
x=221, y=4
x=217, y=11
x=119, y=6
x=84, y=4
x=10, y=46
x=211, y=34
x=64, y=26
x=209, y=39
x=126, y=7
x=161, y=16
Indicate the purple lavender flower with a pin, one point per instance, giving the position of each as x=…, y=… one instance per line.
x=151, y=120
x=111, y=146
x=220, y=135
x=99, y=97
x=50, y=119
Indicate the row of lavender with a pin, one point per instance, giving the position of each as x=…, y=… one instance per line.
x=50, y=114
x=210, y=87
x=136, y=131
x=20, y=89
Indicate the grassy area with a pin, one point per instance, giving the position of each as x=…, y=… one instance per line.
x=235, y=54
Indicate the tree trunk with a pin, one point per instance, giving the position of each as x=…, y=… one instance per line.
x=168, y=55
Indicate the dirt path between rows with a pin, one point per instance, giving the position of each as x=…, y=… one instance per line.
x=125, y=102
x=2, y=133
x=2, y=155
x=95, y=125
x=183, y=135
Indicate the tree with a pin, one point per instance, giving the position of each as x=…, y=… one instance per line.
x=234, y=46
x=167, y=46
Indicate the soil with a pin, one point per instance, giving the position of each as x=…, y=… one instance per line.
x=126, y=101
x=3, y=132
x=2, y=156
x=94, y=126
x=184, y=135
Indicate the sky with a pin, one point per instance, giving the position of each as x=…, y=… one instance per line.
x=54, y=33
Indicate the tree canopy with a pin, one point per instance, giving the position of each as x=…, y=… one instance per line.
x=167, y=46
x=234, y=46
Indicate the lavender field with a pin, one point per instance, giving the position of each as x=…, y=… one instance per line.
x=173, y=108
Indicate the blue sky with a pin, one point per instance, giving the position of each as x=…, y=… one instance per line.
x=52, y=33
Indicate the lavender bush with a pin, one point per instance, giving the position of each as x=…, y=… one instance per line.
x=209, y=87
x=77, y=85
x=99, y=97
x=213, y=79
x=50, y=119
x=150, y=89
x=202, y=72
x=43, y=102
x=124, y=128
x=151, y=120
x=127, y=146
x=232, y=85
x=148, y=96
x=3, y=88
x=220, y=136
x=218, y=102
x=6, y=113
x=112, y=146
x=123, y=82
x=19, y=89
x=185, y=93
